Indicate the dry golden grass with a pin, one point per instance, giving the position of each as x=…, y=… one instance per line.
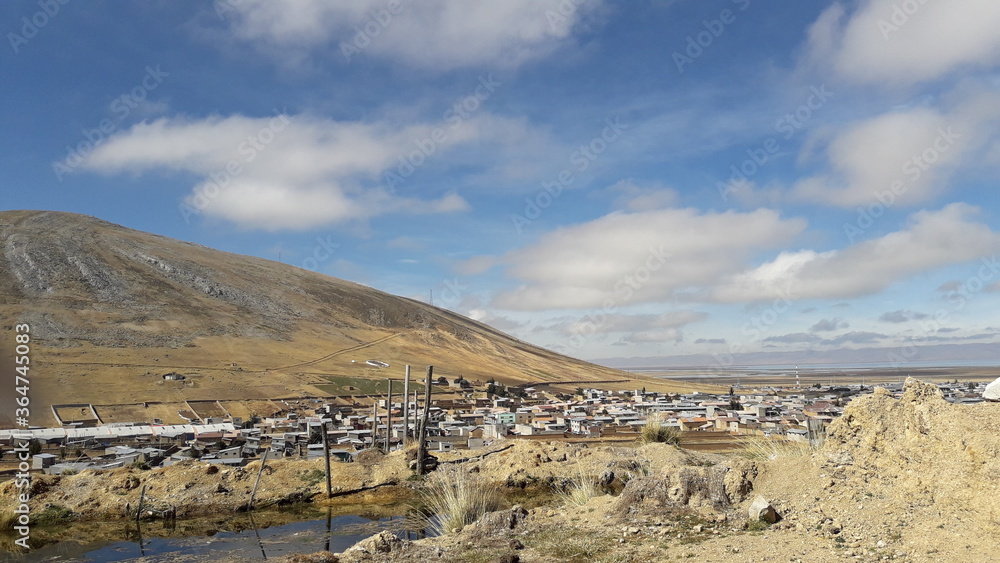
x=763, y=448
x=7, y=518
x=654, y=431
x=581, y=489
x=456, y=499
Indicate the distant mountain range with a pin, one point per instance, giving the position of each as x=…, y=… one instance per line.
x=938, y=353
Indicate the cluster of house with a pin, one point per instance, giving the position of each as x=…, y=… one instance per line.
x=461, y=422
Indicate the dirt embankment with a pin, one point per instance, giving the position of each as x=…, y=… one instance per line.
x=193, y=488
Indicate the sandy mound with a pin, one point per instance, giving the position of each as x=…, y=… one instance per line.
x=923, y=448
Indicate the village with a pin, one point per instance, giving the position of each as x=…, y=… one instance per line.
x=468, y=418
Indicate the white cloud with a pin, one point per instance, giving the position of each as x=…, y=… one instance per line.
x=429, y=34
x=905, y=42
x=868, y=157
x=631, y=258
x=292, y=172
x=932, y=239
x=906, y=157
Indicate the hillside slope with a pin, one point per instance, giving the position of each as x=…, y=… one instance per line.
x=112, y=310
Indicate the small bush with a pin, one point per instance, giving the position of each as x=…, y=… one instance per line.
x=51, y=514
x=656, y=432
x=757, y=525
x=314, y=477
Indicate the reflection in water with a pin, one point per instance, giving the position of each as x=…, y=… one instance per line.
x=232, y=536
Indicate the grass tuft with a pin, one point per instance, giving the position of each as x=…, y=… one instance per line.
x=656, y=432
x=581, y=489
x=456, y=499
x=762, y=448
x=7, y=519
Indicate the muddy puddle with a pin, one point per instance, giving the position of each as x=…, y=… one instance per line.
x=262, y=535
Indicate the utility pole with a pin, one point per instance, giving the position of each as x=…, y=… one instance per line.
x=406, y=406
x=422, y=439
x=388, y=417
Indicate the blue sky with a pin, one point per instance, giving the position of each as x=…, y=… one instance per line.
x=648, y=178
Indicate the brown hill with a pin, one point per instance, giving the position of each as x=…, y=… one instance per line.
x=112, y=310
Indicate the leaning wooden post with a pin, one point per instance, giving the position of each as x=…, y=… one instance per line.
x=375, y=421
x=388, y=416
x=406, y=406
x=422, y=439
x=326, y=455
x=138, y=510
x=253, y=493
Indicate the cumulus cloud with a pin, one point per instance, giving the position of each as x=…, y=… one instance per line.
x=872, y=156
x=906, y=42
x=632, y=258
x=293, y=172
x=931, y=240
x=436, y=35
x=905, y=156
